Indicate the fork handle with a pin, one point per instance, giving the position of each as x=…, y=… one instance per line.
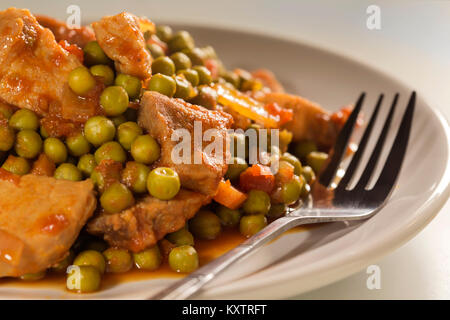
x=192, y=283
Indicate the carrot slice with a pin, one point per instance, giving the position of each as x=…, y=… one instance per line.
x=257, y=177
x=229, y=196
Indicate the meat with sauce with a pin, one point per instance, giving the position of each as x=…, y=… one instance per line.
x=74, y=35
x=310, y=121
x=148, y=221
x=122, y=40
x=34, y=70
x=40, y=218
x=162, y=117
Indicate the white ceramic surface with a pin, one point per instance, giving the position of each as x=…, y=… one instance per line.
x=301, y=261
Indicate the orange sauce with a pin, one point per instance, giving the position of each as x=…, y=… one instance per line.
x=207, y=250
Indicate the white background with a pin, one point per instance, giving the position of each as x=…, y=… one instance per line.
x=413, y=43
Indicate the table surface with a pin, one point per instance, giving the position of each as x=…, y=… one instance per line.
x=413, y=43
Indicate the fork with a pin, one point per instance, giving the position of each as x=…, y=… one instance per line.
x=334, y=204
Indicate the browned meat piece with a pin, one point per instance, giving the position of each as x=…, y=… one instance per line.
x=310, y=122
x=161, y=116
x=79, y=36
x=40, y=218
x=268, y=79
x=148, y=221
x=34, y=69
x=122, y=40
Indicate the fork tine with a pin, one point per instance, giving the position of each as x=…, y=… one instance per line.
x=368, y=171
x=394, y=161
x=361, y=147
x=341, y=144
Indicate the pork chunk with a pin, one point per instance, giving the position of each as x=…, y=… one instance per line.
x=40, y=218
x=122, y=40
x=34, y=69
x=79, y=36
x=310, y=121
x=162, y=116
x=148, y=221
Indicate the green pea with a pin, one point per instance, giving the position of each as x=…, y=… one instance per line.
x=16, y=165
x=204, y=75
x=33, y=276
x=294, y=161
x=235, y=168
x=205, y=225
x=114, y=100
x=28, y=144
x=184, y=89
x=68, y=171
x=145, y=149
x=258, y=202
x=155, y=50
x=93, y=54
x=181, y=40
x=181, y=61
x=132, y=85
x=104, y=72
x=181, y=237
x=183, y=259
x=86, y=164
x=24, y=119
x=149, y=259
x=78, y=145
x=134, y=176
x=163, y=65
x=308, y=174
x=6, y=110
x=43, y=132
x=116, y=198
x=111, y=150
x=285, y=138
x=209, y=52
x=291, y=191
x=164, y=32
x=117, y=260
x=81, y=81
x=162, y=84
x=191, y=76
x=62, y=265
x=252, y=224
x=91, y=258
x=163, y=183
x=206, y=97
x=7, y=137
x=228, y=217
x=316, y=160
x=196, y=55
x=118, y=120
x=232, y=78
x=276, y=210
x=303, y=148
x=83, y=279
x=55, y=150
x=128, y=132
x=99, y=130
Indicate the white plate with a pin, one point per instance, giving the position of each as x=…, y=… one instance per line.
x=298, y=262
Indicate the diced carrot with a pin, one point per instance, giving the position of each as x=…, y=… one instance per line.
x=285, y=115
x=73, y=49
x=229, y=196
x=43, y=166
x=257, y=177
x=213, y=67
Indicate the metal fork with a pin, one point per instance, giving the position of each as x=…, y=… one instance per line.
x=338, y=204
